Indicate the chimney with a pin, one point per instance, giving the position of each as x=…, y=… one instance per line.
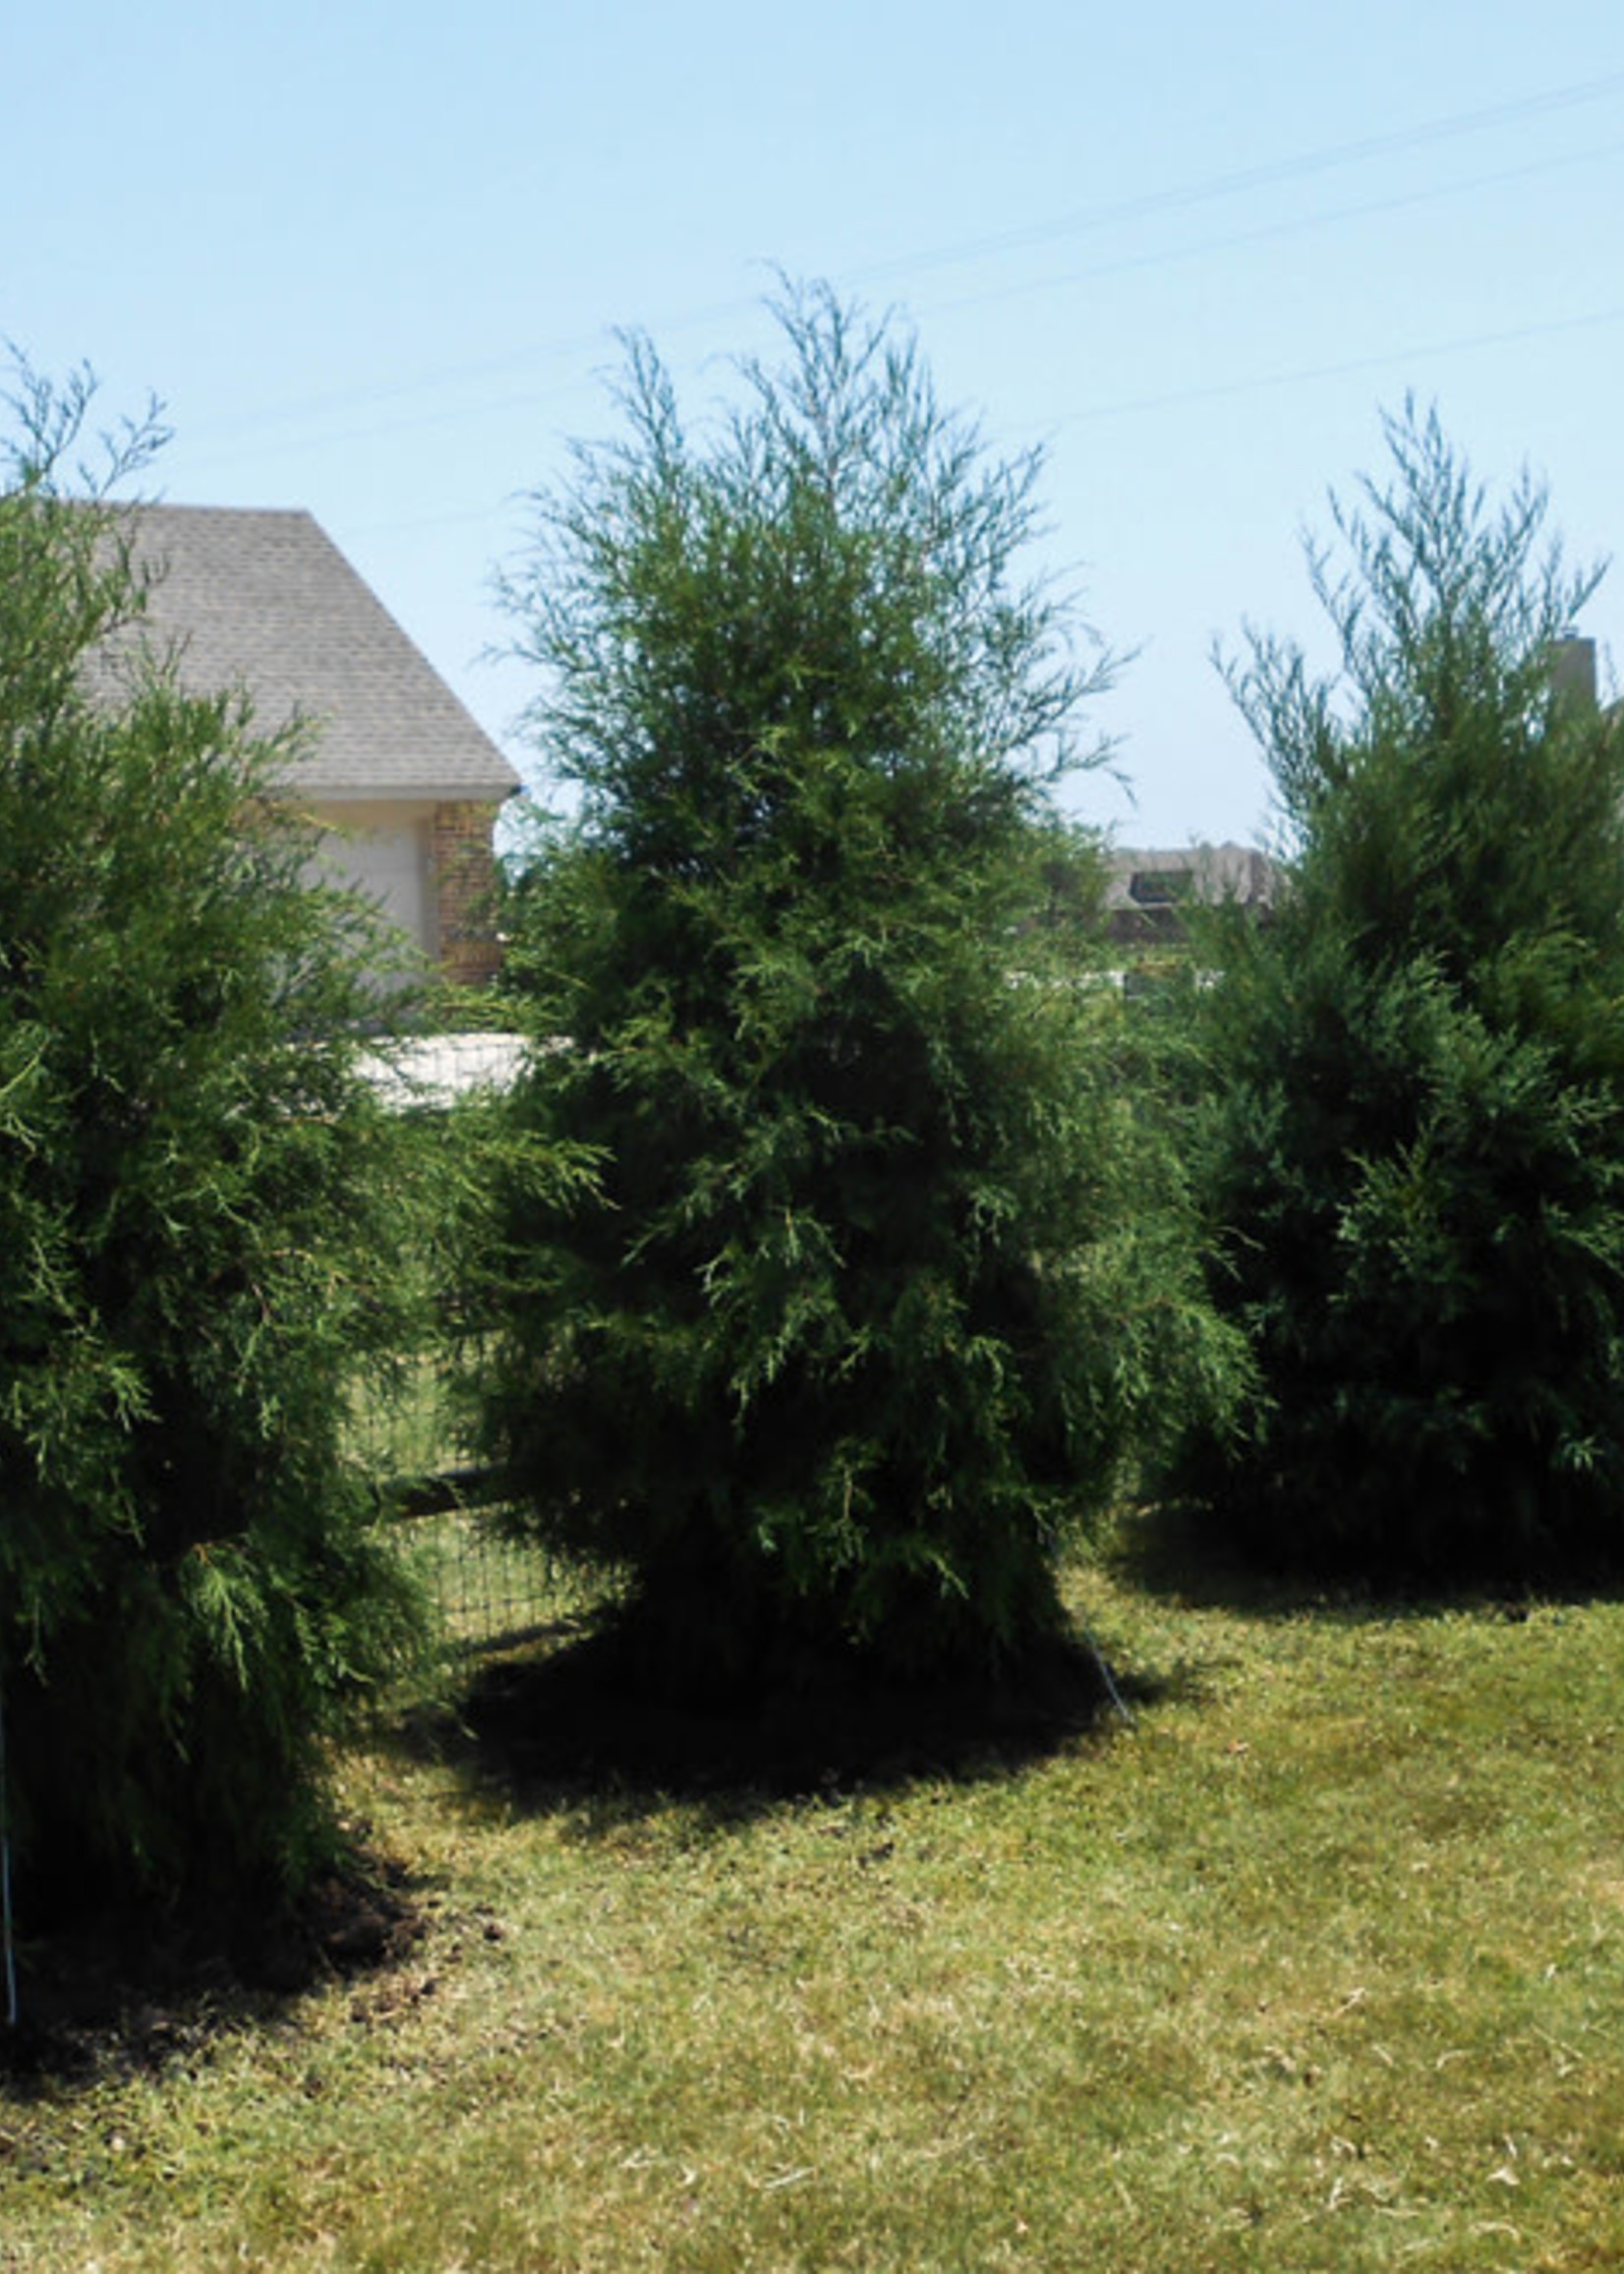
x=1572, y=671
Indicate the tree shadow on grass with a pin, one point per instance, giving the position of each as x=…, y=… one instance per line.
x=121, y=1989
x=598, y=1729
x=1176, y=1551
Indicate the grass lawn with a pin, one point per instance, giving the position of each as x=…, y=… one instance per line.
x=1319, y=1966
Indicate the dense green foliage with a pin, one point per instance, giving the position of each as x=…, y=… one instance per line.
x=884, y=1280
x=191, y=1182
x=1418, y=1141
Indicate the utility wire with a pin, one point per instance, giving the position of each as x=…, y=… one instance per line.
x=1088, y=220
x=1256, y=382
x=1215, y=186
x=1266, y=232
x=1259, y=381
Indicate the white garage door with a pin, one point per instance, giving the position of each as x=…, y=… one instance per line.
x=391, y=866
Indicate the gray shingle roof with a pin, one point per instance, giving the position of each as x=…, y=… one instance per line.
x=266, y=600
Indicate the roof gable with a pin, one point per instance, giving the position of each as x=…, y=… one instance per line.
x=266, y=601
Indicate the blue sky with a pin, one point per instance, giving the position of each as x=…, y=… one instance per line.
x=372, y=259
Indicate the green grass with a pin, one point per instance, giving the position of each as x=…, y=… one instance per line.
x=1320, y=1965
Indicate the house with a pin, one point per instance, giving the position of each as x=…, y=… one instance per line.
x=399, y=773
x=1146, y=893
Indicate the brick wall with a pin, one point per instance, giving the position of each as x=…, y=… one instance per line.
x=463, y=875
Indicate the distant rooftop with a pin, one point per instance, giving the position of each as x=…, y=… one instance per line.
x=1208, y=873
x=266, y=600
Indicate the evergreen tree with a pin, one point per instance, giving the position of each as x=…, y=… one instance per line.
x=1416, y=1136
x=192, y=1206
x=883, y=1283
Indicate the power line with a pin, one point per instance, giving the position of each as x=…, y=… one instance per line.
x=1259, y=381
x=1215, y=186
x=965, y=251
x=1297, y=224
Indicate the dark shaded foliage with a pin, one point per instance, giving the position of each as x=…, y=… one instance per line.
x=1415, y=1141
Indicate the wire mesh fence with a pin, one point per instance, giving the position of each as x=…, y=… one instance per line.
x=491, y=1593
x=409, y=1435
